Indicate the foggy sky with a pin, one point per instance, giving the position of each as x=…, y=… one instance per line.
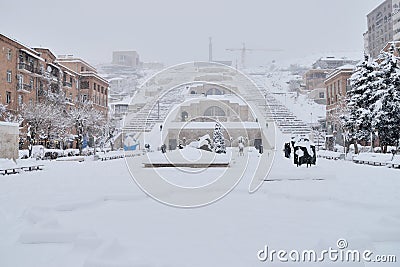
x=174, y=31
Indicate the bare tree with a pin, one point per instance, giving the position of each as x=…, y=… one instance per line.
x=87, y=121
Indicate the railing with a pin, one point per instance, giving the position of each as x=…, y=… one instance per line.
x=26, y=87
x=30, y=68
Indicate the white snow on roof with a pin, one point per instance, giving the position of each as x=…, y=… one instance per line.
x=32, y=54
x=346, y=67
x=55, y=66
x=124, y=101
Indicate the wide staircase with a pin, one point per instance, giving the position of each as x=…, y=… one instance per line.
x=153, y=112
x=287, y=122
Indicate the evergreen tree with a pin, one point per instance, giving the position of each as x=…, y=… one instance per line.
x=358, y=123
x=219, y=140
x=386, y=98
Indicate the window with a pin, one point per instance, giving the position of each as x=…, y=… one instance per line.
x=30, y=101
x=9, y=55
x=94, y=86
x=321, y=94
x=85, y=85
x=9, y=74
x=8, y=97
x=102, y=89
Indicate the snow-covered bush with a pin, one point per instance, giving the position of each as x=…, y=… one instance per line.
x=219, y=140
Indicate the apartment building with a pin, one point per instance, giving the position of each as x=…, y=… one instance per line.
x=396, y=19
x=92, y=87
x=337, y=85
x=382, y=26
x=22, y=71
x=29, y=74
x=332, y=63
x=315, y=78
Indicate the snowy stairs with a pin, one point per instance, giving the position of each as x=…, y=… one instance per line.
x=145, y=119
x=287, y=122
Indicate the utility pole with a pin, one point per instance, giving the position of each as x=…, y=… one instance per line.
x=158, y=109
x=210, y=50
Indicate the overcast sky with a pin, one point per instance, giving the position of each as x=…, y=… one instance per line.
x=174, y=31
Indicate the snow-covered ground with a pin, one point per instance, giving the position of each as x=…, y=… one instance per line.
x=304, y=108
x=93, y=214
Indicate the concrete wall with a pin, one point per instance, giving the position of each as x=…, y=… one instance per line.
x=9, y=140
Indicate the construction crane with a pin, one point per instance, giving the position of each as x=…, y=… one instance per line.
x=244, y=50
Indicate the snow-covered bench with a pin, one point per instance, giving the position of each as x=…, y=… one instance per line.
x=375, y=159
x=395, y=163
x=72, y=158
x=11, y=167
x=330, y=154
x=119, y=155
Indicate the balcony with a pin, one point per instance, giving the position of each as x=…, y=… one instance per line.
x=30, y=68
x=67, y=84
x=24, y=88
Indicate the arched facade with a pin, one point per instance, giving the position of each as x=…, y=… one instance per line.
x=214, y=111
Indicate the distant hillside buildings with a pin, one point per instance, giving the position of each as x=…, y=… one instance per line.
x=126, y=58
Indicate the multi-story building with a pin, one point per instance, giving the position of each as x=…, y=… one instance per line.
x=337, y=85
x=332, y=63
x=91, y=86
x=315, y=78
x=381, y=27
x=396, y=19
x=126, y=58
x=366, y=42
x=22, y=71
x=29, y=74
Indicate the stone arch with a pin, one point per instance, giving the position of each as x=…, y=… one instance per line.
x=214, y=111
x=214, y=91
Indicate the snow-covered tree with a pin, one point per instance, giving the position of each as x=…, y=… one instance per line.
x=219, y=140
x=7, y=116
x=87, y=121
x=363, y=82
x=386, y=98
x=3, y=111
x=45, y=120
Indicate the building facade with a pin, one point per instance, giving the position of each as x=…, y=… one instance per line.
x=315, y=78
x=381, y=27
x=29, y=74
x=396, y=19
x=337, y=85
x=126, y=58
